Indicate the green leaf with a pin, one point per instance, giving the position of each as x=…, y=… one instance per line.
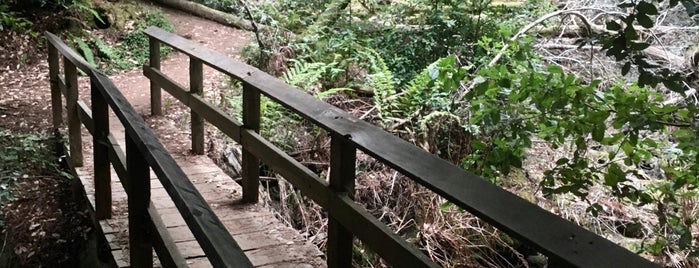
x=639, y=46
x=685, y=239
x=613, y=26
x=478, y=145
x=562, y=161
x=555, y=69
x=598, y=133
x=647, y=8
x=645, y=21
x=614, y=175
x=626, y=68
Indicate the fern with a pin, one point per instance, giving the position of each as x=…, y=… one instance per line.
x=103, y=49
x=308, y=75
x=85, y=49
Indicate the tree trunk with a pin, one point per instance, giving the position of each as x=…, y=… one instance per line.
x=209, y=13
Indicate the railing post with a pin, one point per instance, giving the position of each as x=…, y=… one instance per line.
x=140, y=246
x=74, y=132
x=56, y=98
x=250, y=163
x=343, y=156
x=155, y=92
x=100, y=152
x=196, y=86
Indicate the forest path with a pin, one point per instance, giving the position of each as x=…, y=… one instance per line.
x=266, y=241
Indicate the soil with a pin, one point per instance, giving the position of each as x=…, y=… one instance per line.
x=45, y=223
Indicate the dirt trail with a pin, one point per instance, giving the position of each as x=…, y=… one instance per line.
x=224, y=39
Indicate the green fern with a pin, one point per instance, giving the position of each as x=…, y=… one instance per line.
x=307, y=75
x=86, y=51
x=103, y=49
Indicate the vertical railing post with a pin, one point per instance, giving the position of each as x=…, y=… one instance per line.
x=250, y=163
x=196, y=87
x=343, y=156
x=155, y=91
x=56, y=98
x=74, y=132
x=100, y=154
x=140, y=246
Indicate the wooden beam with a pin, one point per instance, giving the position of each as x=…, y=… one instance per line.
x=154, y=62
x=74, y=132
x=342, y=174
x=56, y=99
x=140, y=246
x=196, y=87
x=250, y=164
x=102, y=171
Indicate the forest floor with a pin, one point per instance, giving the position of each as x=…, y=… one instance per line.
x=24, y=97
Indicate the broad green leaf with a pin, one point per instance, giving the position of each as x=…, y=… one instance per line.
x=626, y=68
x=598, y=133
x=647, y=8
x=644, y=21
x=613, y=26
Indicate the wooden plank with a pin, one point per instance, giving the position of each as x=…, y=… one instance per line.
x=220, y=247
x=272, y=255
x=366, y=227
x=163, y=242
x=100, y=155
x=140, y=245
x=156, y=107
x=342, y=174
x=196, y=87
x=85, y=116
x=56, y=99
x=74, y=132
x=564, y=240
x=250, y=164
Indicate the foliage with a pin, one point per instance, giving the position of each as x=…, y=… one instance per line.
x=132, y=51
x=25, y=155
x=12, y=20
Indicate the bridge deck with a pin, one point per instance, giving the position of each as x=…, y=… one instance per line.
x=265, y=240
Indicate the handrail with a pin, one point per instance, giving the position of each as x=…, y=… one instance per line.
x=143, y=151
x=565, y=243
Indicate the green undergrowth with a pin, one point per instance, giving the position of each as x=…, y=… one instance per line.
x=130, y=51
x=24, y=156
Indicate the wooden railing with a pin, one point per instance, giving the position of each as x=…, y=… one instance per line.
x=565, y=243
x=143, y=153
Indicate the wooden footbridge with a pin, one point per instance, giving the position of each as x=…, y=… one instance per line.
x=177, y=208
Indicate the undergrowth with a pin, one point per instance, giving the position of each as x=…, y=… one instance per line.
x=24, y=156
x=130, y=51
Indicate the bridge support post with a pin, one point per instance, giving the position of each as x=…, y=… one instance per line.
x=74, y=132
x=250, y=163
x=196, y=86
x=140, y=245
x=56, y=99
x=100, y=152
x=155, y=91
x=343, y=156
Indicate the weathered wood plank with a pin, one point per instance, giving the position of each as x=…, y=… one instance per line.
x=100, y=155
x=343, y=156
x=221, y=249
x=74, y=132
x=56, y=99
x=163, y=242
x=140, y=244
x=196, y=87
x=250, y=164
x=154, y=62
